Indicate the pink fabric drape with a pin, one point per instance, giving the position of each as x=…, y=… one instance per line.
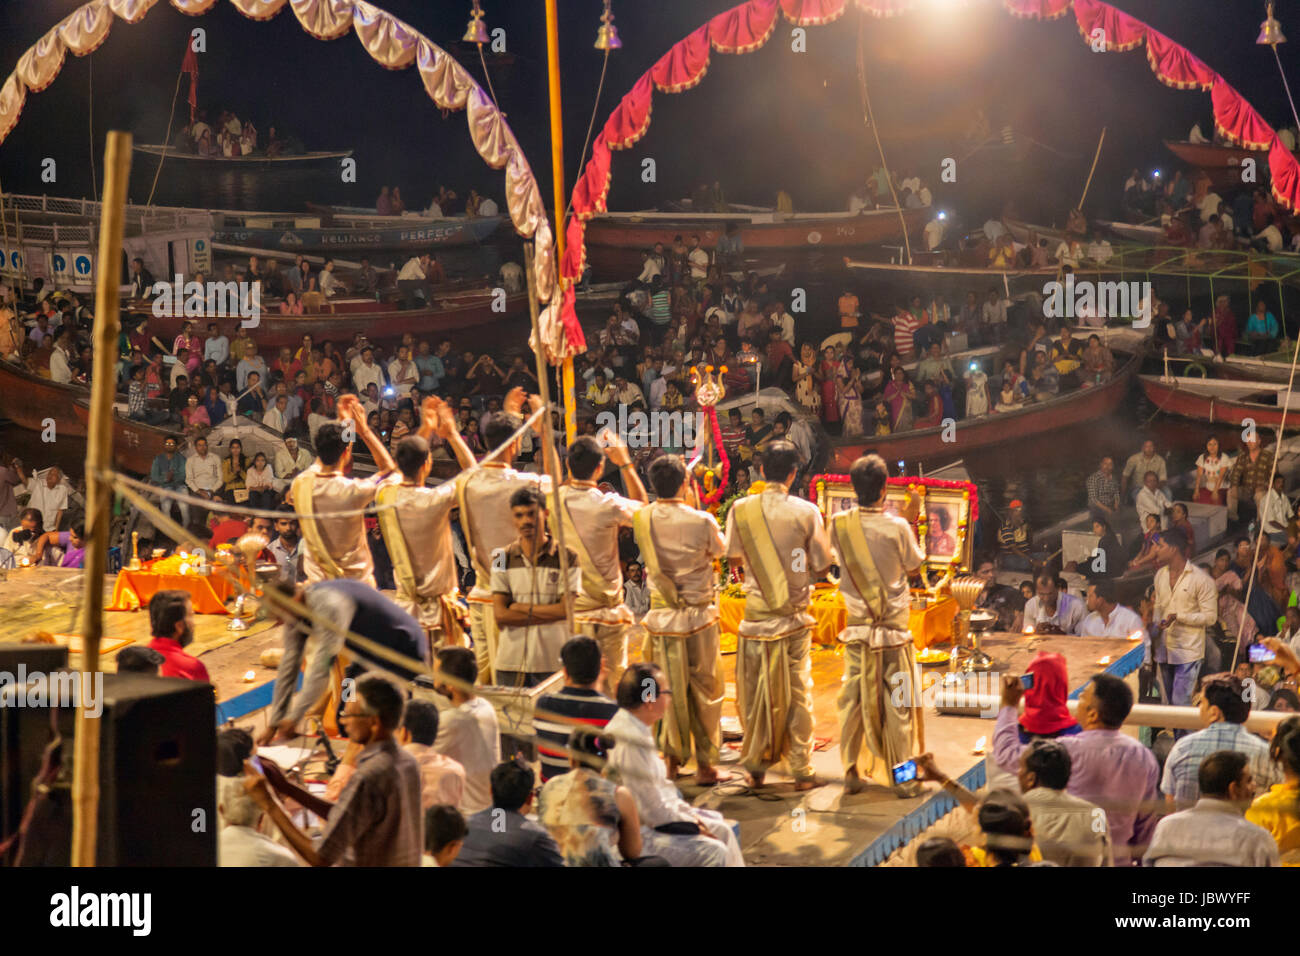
x=748, y=27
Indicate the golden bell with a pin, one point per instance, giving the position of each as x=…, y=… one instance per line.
x=476, y=32
x=1270, y=31
x=607, y=36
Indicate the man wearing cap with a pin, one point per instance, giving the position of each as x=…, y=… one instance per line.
x=1013, y=539
x=1186, y=603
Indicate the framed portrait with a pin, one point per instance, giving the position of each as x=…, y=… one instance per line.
x=948, y=509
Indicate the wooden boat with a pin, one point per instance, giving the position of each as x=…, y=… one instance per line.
x=1223, y=401
x=135, y=444
x=28, y=399
x=469, y=314
x=641, y=230
x=252, y=159
x=1147, y=235
x=288, y=233
x=1221, y=163
x=927, y=444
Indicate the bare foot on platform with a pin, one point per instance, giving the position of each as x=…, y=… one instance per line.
x=808, y=783
x=853, y=783
x=754, y=778
x=708, y=776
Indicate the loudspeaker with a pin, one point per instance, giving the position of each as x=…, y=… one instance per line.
x=22, y=742
x=157, y=772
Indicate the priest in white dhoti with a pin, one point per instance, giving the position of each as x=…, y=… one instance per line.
x=781, y=541
x=592, y=519
x=416, y=524
x=879, y=702
x=483, y=497
x=330, y=505
x=679, y=545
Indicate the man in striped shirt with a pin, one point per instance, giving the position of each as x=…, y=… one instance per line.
x=577, y=703
x=905, y=326
x=528, y=596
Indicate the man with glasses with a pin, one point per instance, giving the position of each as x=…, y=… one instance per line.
x=377, y=819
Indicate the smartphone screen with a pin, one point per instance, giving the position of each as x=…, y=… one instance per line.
x=258, y=764
x=1259, y=653
x=1027, y=681
x=905, y=771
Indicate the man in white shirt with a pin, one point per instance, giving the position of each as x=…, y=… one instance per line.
x=667, y=821
x=1271, y=236
x=60, y=369
x=329, y=283
x=1186, y=604
x=1214, y=832
x=203, y=471
x=1052, y=610
x=49, y=496
x=241, y=841
x=650, y=268
x=402, y=372
x=1069, y=830
x=1106, y=616
x=1276, y=511
x=276, y=416
x=290, y=460
x=467, y=726
x=698, y=260
x=367, y=372
x=512, y=277
x=934, y=230
x=783, y=320
x=1210, y=205
x=1151, y=500
x=413, y=278
x=487, y=207
x=216, y=346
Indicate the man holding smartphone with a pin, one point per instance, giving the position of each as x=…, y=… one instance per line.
x=876, y=552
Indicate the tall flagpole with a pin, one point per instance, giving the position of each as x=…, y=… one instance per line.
x=557, y=177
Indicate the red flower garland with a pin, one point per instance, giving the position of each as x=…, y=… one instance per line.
x=716, y=495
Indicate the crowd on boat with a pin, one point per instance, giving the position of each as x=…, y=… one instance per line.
x=231, y=138
x=444, y=204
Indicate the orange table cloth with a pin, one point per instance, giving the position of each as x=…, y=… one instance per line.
x=134, y=589
x=931, y=625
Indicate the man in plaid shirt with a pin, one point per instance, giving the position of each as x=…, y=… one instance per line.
x=1224, y=706
x=1103, y=491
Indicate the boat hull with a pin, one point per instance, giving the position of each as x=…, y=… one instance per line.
x=790, y=234
x=1221, y=163
x=1172, y=400
x=927, y=444
x=135, y=444
x=29, y=400
x=342, y=239
x=473, y=320
x=253, y=159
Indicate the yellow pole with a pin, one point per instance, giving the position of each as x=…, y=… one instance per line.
x=99, y=499
x=557, y=177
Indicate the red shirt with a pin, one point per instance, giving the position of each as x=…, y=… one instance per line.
x=227, y=531
x=176, y=662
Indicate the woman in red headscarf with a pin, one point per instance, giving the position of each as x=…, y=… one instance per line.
x=1046, y=714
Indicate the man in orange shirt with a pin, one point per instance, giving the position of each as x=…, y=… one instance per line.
x=849, y=312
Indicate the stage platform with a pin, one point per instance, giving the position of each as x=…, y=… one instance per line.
x=778, y=826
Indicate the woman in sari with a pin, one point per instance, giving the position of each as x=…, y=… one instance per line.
x=807, y=386
x=188, y=340
x=1232, y=612
x=850, y=398
x=234, y=470
x=830, y=401
x=899, y=394
x=197, y=420
x=1147, y=556
x=1098, y=362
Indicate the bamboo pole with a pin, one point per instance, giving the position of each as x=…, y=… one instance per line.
x=1095, y=156
x=550, y=458
x=557, y=182
x=99, y=501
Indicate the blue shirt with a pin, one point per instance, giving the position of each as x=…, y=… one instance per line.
x=1268, y=327
x=163, y=464
x=1181, y=778
x=431, y=372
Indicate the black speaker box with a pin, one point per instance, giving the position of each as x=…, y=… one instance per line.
x=157, y=773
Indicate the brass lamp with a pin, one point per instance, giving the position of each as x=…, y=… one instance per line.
x=965, y=591
x=607, y=36
x=1270, y=31
x=249, y=546
x=476, y=32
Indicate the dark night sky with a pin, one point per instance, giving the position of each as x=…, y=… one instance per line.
x=757, y=122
